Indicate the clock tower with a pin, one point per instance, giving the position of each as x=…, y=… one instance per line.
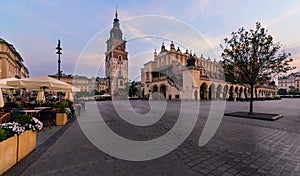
x=116, y=62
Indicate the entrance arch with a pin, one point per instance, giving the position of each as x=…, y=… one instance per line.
x=219, y=90
x=163, y=90
x=203, y=91
x=246, y=92
x=225, y=91
x=155, y=92
x=212, y=92
x=241, y=93
x=231, y=91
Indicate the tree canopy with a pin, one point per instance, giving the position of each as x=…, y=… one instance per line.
x=251, y=57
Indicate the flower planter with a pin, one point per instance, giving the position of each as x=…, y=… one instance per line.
x=26, y=143
x=61, y=118
x=8, y=153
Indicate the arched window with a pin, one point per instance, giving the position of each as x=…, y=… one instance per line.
x=120, y=58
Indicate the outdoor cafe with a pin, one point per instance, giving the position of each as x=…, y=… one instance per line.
x=41, y=97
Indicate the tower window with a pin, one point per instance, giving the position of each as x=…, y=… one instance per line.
x=120, y=58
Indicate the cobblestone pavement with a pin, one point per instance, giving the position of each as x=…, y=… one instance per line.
x=239, y=147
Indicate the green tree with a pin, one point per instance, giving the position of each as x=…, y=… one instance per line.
x=132, y=90
x=251, y=57
x=293, y=90
x=282, y=92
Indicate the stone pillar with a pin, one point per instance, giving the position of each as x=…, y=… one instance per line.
x=234, y=96
x=221, y=95
x=150, y=95
x=207, y=94
x=227, y=94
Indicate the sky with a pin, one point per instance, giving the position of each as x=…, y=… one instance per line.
x=34, y=26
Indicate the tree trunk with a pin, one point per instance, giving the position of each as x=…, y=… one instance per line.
x=251, y=99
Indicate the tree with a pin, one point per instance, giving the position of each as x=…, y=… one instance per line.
x=282, y=92
x=132, y=90
x=251, y=57
x=293, y=91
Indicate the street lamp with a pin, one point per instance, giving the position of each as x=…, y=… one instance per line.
x=59, y=53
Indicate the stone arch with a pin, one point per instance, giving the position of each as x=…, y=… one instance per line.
x=225, y=91
x=241, y=93
x=212, y=93
x=155, y=92
x=163, y=90
x=203, y=91
x=219, y=91
x=255, y=92
x=155, y=88
x=231, y=91
x=236, y=89
x=120, y=58
x=245, y=92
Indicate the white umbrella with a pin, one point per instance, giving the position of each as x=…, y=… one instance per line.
x=40, y=81
x=106, y=95
x=3, y=82
x=69, y=96
x=41, y=97
x=73, y=89
x=1, y=98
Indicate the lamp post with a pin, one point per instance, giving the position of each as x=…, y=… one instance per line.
x=59, y=53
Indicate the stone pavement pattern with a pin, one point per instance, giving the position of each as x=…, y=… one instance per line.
x=240, y=146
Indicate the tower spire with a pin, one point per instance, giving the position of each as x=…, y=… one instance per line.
x=116, y=20
x=116, y=14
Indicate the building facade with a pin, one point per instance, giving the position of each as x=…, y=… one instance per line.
x=116, y=62
x=101, y=84
x=286, y=82
x=81, y=82
x=11, y=62
x=174, y=74
x=289, y=82
x=297, y=83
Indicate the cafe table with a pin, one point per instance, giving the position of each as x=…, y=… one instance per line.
x=41, y=108
x=30, y=111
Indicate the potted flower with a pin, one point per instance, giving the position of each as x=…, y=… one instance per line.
x=61, y=114
x=27, y=139
x=8, y=144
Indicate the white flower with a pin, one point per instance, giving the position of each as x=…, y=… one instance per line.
x=68, y=110
x=14, y=127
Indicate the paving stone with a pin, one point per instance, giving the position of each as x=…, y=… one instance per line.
x=239, y=147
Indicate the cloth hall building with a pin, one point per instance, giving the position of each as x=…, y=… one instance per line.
x=176, y=74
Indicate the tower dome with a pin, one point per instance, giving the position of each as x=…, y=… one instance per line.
x=116, y=32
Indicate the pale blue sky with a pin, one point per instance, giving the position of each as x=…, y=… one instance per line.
x=33, y=27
